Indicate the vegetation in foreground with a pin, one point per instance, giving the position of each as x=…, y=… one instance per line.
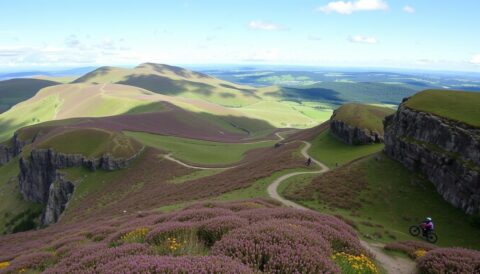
x=383, y=199
x=209, y=237
x=456, y=105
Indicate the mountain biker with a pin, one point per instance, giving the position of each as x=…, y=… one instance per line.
x=427, y=226
x=309, y=161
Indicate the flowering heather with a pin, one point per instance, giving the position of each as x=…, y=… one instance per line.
x=241, y=237
x=212, y=230
x=37, y=260
x=450, y=260
x=89, y=258
x=173, y=265
x=201, y=214
x=410, y=247
x=277, y=247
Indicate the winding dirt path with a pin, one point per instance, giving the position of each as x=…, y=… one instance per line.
x=391, y=264
x=170, y=158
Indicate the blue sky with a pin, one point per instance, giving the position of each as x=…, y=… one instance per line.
x=424, y=34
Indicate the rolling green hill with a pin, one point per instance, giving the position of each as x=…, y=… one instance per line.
x=174, y=81
x=14, y=91
x=93, y=95
x=363, y=116
x=460, y=106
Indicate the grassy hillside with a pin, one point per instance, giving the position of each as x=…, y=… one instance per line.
x=91, y=143
x=175, y=81
x=15, y=91
x=384, y=199
x=333, y=152
x=89, y=100
x=363, y=116
x=196, y=151
x=455, y=105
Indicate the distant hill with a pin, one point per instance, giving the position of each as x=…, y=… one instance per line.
x=175, y=81
x=15, y=91
x=90, y=100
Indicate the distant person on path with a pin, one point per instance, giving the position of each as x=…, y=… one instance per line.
x=309, y=161
x=427, y=226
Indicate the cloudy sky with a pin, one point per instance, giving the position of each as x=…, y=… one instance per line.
x=415, y=34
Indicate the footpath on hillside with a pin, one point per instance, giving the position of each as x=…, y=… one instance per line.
x=390, y=264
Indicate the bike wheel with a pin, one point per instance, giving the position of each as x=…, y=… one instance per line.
x=432, y=237
x=414, y=230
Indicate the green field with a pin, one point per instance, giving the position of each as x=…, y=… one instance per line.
x=460, y=106
x=197, y=151
x=333, y=152
x=92, y=143
x=363, y=116
x=392, y=200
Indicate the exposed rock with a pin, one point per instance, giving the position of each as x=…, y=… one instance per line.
x=11, y=149
x=448, y=152
x=39, y=172
x=59, y=194
x=353, y=135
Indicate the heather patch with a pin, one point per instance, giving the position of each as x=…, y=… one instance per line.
x=414, y=249
x=240, y=237
x=450, y=260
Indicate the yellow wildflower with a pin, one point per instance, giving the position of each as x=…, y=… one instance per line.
x=4, y=265
x=420, y=253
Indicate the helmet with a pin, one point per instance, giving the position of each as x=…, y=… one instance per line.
x=429, y=219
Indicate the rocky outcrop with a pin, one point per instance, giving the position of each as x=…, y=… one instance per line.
x=41, y=182
x=10, y=150
x=353, y=135
x=448, y=152
x=59, y=195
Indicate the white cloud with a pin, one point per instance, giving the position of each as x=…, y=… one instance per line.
x=263, y=25
x=344, y=7
x=362, y=39
x=265, y=55
x=475, y=59
x=408, y=9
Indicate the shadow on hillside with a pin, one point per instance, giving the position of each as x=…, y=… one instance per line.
x=165, y=85
x=246, y=91
x=314, y=94
x=248, y=125
x=98, y=72
x=162, y=68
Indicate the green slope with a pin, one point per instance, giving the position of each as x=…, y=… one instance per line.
x=363, y=116
x=333, y=152
x=91, y=143
x=197, y=151
x=14, y=91
x=460, y=106
x=383, y=198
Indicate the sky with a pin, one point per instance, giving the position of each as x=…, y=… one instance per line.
x=414, y=34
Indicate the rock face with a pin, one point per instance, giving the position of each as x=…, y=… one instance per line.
x=353, y=135
x=10, y=151
x=41, y=182
x=448, y=152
